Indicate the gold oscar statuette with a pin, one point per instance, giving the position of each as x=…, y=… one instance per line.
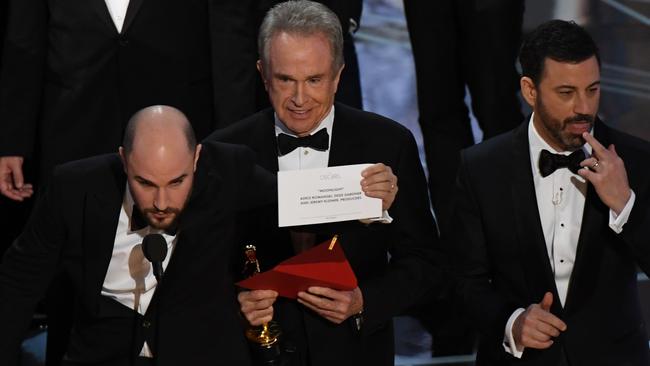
x=264, y=339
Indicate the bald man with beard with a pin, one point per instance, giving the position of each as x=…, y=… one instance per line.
x=90, y=223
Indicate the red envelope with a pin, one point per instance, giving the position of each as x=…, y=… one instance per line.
x=324, y=265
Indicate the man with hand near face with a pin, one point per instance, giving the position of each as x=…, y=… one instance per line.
x=551, y=220
x=300, y=45
x=90, y=223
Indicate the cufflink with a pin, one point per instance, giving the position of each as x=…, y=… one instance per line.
x=358, y=319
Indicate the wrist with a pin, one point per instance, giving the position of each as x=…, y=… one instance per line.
x=622, y=202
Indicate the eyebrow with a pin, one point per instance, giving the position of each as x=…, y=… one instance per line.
x=179, y=178
x=143, y=180
x=317, y=76
x=147, y=181
x=285, y=76
x=278, y=75
x=564, y=86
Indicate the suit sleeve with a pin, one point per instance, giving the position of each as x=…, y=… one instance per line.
x=416, y=260
x=258, y=186
x=21, y=77
x=488, y=311
x=26, y=270
x=635, y=231
x=233, y=33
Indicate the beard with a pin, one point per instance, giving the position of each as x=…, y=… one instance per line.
x=170, y=221
x=172, y=214
x=559, y=130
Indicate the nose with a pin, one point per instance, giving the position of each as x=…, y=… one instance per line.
x=160, y=201
x=582, y=104
x=299, y=95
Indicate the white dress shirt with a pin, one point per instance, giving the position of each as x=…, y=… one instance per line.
x=129, y=278
x=117, y=10
x=560, y=202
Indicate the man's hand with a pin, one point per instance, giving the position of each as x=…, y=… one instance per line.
x=257, y=305
x=12, y=184
x=335, y=306
x=380, y=182
x=535, y=327
x=606, y=171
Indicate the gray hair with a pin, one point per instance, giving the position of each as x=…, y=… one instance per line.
x=304, y=18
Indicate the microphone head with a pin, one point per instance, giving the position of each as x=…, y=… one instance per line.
x=154, y=247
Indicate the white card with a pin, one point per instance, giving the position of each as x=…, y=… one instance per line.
x=315, y=196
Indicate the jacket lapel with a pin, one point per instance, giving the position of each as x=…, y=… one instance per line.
x=100, y=8
x=198, y=214
x=101, y=214
x=264, y=142
x=346, y=147
x=530, y=238
x=594, y=218
x=131, y=12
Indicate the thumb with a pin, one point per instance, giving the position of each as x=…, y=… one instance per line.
x=17, y=172
x=547, y=301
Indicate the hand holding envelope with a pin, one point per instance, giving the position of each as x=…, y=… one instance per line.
x=314, y=196
x=380, y=182
x=320, y=278
x=335, y=306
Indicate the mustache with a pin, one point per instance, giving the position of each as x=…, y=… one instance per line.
x=580, y=118
x=168, y=210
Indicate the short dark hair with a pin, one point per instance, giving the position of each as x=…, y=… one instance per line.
x=131, y=127
x=559, y=40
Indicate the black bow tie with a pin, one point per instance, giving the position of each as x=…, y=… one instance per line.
x=318, y=141
x=549, y=162
x=138, y=222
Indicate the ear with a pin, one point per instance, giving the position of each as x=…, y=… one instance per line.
x=197, y=154
x=528, y=90
x=122, y=157
x=260, y=68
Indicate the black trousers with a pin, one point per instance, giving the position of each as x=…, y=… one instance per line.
x=459, y=43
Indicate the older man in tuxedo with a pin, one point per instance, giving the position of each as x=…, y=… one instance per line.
x=551, y=220
x=301, y=49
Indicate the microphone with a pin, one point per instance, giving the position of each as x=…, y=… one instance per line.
x=154, y=247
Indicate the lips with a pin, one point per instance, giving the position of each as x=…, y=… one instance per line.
x=299, y=113
x=579, y=127
x=160, y=216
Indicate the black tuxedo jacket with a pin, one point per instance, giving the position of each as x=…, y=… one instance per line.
x=194, y=311
x=388, y=286
x=503, y=263
x=70, y=81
